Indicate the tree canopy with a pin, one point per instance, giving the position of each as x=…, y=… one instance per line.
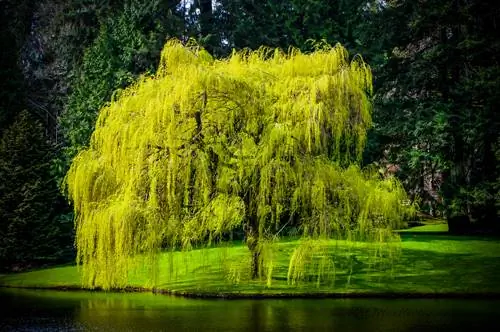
x=205, y=145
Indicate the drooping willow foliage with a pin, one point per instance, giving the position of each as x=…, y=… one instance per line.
x=262, y=139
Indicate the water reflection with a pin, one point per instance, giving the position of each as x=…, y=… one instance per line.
x=86, y=311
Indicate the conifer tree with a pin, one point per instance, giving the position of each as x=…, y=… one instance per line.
x=29, y=232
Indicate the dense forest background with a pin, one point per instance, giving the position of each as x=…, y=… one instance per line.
x=436, y=93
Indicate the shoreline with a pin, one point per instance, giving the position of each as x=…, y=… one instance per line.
x=270, y=296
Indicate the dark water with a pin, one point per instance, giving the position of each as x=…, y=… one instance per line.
x=28, y=310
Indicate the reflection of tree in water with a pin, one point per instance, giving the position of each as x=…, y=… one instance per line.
x=264, y=315
x=146, y=312
x=128, y=311
x=122, y=313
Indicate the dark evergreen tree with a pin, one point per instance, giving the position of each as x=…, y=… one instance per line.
x=128, y=44
x=31, y=233
x=250, y=23
x=14, y=24
x=437, y=97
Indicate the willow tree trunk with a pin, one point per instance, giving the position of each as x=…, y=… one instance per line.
x=252, y=240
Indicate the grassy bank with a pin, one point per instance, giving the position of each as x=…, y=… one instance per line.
x=431, y=262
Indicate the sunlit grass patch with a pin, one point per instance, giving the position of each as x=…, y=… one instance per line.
x=426, y=264
x=431, y=227
x=66, y=276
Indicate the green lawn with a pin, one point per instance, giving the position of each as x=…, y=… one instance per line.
x=430, y=262
x=427, y=227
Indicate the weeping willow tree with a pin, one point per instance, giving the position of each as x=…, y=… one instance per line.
x=263, y=140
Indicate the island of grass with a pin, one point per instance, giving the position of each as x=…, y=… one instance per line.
x=432, y=263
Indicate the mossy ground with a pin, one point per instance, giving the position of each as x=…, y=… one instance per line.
x=431, y=262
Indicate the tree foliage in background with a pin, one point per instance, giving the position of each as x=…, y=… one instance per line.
x=14, y=24
x=31, y=232
x=437, y=98
x=128, y=44
x=248, y=23
x=205, y=146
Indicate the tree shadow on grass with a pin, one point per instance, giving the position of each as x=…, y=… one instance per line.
x=429, y=271
x=445, y=236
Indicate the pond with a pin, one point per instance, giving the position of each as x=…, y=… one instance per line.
x=35, y=310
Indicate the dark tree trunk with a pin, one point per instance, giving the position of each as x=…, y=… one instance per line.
x=255, y=268
x=252, y=241
x=206, y=23
x=197, y=140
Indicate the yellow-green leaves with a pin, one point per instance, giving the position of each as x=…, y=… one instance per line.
x=206, y=145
